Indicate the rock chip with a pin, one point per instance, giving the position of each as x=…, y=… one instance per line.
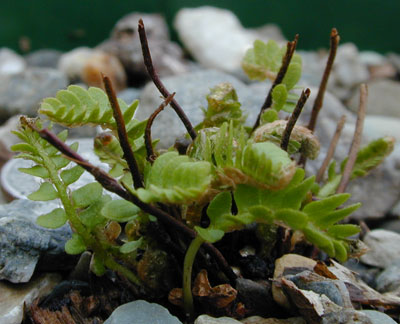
x=141, y=312
x=383, y=98
x=257, y=296
x=389, y=279
x=378, y=317
x=22, y=92
x=287, y=262
x=206, y=319
x=44, y=58
x=384, y=248
x=191, y=90
x=23, y=243
x=214, y=37
x=348, y=70
x=6, y=137
x=376, y=126
x=260, y=320
x=124, y=43
x=85, y=64
x=129, y=95
x=15, y=298
x=10, y=62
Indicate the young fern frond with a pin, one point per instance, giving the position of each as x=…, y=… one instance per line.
x=263, y=61
x=176, y=178
x=76, y=107
x=223, y=106
x=261, y=164
x=368, y=158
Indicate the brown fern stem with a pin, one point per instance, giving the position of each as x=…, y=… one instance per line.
x=291, y=47
x=293, y=119
x=151, y=156
x=122, y=135
x=158, y=83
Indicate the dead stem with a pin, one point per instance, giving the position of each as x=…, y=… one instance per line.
x=122, y=135
x=112, y=185
x=158, y=83
x=355, y=144
x=319, y=100
x=293, y=119
x=291, y=47
x=332, y=148
x=151, y=156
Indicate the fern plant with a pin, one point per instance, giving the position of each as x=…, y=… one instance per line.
x=236, y=175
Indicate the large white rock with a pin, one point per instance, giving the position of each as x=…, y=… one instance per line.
x=214, y=37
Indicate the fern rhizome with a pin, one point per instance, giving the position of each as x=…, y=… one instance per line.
x=229, y=178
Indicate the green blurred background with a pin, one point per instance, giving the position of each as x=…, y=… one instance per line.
x=370, y=24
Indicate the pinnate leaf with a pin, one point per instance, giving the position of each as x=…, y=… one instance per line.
x=175, y=178
x=120, y=210
x=54, y=219
x=131, y=246
x=71, y=175
x=46, y=192
x=87, y=195
x=75, y=245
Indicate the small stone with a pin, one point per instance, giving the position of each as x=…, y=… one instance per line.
x=256, y=296
x=288, y=261
x=383, y=98
x=378, y=317
x=206, y=319
x=23, y=243
x=260, y=320
x=10, y=62
x=376, y=126
x=214, y=37
x=389, y=279
x=384, y=248
x=22, y=92
x=348, y=70
x=44, y=58
x=372, y=58
x=6, y=137
x=85, y=64
x=335, y=290
x=15, y=298
x=129, y=95
x=124, y=43
x=141, y=312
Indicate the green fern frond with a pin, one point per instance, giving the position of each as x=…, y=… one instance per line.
x=176, y=178
x=368, y=158
x=76, y=106
x=317, y=219
x=223, y=106
x=263, y=61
